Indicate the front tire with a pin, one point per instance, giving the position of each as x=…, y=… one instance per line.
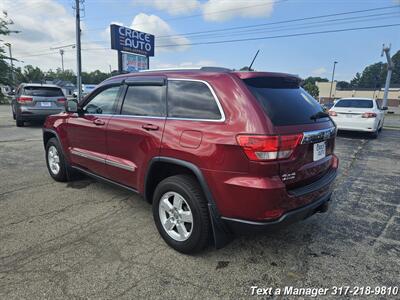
x=180, y=212
x=56, y=164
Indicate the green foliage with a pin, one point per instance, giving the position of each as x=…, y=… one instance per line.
x=312, y=89
x=309, y=85
x=4, y=66
x=342, y=85
x=374, y=76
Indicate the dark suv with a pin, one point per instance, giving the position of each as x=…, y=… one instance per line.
x=215, y=151
x=35, y=101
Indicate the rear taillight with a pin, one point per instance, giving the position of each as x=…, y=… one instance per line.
x=61, y=100
x=24, y=99
x=269, y=147
x=332, y=113
x=369, y=115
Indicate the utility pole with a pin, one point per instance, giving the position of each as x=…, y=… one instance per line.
x=62, y=59
x=11, y=63
x=333, y=76
x=390, y=66
x=78, y=49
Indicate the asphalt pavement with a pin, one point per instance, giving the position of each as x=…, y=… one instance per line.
x=90, y=240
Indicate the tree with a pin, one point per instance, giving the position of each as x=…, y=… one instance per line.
x=32, y=74
x=309, y=84
x=312, y=89
x=5, y=69
x=343, y=85
x=356, y=80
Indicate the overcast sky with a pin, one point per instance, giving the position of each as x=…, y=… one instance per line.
x=50, y=23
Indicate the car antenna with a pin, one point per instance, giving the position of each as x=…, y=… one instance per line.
x=254, y=58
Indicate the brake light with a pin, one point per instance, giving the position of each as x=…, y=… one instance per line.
x=332, y=113
x=24, y=99
x=369, y=115
x=61, y=100
x=269, y=147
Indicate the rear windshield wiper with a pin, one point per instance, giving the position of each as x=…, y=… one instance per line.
x=319, y=115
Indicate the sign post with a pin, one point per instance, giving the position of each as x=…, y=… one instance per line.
x=134, y=48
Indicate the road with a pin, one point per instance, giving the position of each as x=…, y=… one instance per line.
x=87, y=239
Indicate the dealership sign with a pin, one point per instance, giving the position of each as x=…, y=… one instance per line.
x=134, y=63
x=129, y=40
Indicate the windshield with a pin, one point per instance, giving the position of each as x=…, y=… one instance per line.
x=42, y=91
x=284, y=102
x=354, y=103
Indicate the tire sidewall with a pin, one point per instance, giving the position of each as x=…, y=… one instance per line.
x=61, y=176
x=194, y=238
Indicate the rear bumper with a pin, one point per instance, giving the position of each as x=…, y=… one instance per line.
x=360, y=124
x=37, y=114
x=238, y=226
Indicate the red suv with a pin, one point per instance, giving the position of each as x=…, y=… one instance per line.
x=215, y=151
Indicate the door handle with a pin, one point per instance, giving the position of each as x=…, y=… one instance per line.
x=149, y=127
x=99, y=122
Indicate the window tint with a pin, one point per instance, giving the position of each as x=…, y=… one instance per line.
x=354, y=103
x=144, y=101
x=191, y=99
x=283, y=101
x=103, y=103
x=43, y=91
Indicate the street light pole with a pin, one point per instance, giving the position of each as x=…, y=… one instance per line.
x=11, y=62
x=62, y=59
x=333, y=76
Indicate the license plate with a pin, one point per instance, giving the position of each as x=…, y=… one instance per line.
x=46, y=104
x=349, y=116
x=319, y=151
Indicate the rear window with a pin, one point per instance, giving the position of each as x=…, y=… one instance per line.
x=354, y=103
x=42, y=91
x=283, y=101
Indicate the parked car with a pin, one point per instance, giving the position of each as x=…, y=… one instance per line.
x=33, y=102
x=215, y=151
x=327, y=106
x=358, y=114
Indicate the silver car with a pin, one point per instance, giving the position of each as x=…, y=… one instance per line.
x=35, y=101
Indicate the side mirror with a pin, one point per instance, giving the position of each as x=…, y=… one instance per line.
x=72, y=106
x=384, y=108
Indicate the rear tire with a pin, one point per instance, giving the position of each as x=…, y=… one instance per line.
x=375, y=134
x=19, y=122
x=55, y=161
x=185, y=227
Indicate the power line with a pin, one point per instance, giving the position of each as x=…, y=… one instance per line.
x=329, y=22
x=285, y=21
x=266, y=37
x=281, y=36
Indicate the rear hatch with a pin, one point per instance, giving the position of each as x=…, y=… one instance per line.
x=44, y=97
x=295, y=113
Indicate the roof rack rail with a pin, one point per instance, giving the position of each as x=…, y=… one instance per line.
x=205, y=69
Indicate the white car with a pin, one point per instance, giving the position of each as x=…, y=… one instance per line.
x=358, y=114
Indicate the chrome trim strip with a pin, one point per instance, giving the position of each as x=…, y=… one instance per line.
x=318, y=135
x=104, y=161
x=222, y=119
x=140, y=117
x=88, y=156
x=119, y=165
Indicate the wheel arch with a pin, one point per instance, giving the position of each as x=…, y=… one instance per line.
x=163, y=167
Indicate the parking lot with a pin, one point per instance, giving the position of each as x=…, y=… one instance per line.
x=87, y=239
